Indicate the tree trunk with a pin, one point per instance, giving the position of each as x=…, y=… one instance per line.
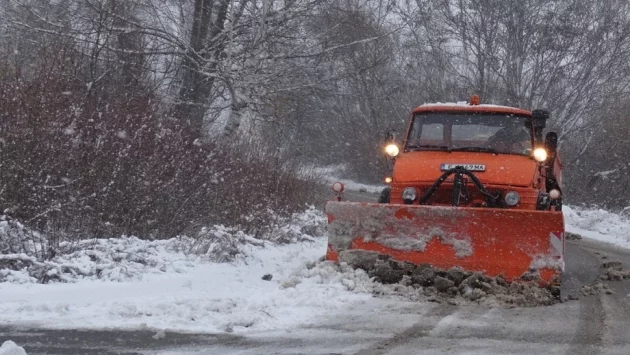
x=201, y=64
x=195, y=87
x=129, y=42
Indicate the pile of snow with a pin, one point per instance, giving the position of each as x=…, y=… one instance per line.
x=386, y=276
x=122, y=259
x=15, y=238
x=132, y=259
x=598, y=224
x=299, y=227
x=225, y=244
x=11, y=348
x=614, y=271
x=27, y=257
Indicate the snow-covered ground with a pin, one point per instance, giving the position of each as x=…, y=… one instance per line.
x=153, y=285
x=211, y=297
x=129, y=283
x=598, y=224
x=10, y=348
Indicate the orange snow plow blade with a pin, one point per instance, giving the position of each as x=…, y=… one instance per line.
x=515, y=244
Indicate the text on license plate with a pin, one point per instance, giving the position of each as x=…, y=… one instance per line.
x=470, y=167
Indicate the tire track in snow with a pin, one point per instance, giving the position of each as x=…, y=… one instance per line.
x=589, y=336
x=617, y=314
x=419, y=330
x=584, y=266
x=616, y=308
x=603, y=318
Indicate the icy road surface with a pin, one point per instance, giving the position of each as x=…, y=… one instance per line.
x=319, y=319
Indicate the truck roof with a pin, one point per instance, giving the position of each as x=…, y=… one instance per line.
x=466, y=107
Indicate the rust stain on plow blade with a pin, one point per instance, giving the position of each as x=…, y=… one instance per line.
x=516, y=244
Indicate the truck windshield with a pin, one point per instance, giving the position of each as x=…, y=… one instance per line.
x=475, y=132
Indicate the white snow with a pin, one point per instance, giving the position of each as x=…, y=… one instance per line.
x=11, y=348
x=378, y=224
x=213, y=297
x=548, y=261
x=604, y=174
x=598, y=224
x=154, y=285
x=123, y=259
x=465, y=103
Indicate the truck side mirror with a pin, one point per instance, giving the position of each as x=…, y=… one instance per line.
x=540, y=118
x=551, y=142
x=539, y=122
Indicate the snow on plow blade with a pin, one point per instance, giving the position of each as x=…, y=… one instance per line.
x=516, y=244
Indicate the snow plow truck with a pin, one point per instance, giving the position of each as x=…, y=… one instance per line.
x=472, y=186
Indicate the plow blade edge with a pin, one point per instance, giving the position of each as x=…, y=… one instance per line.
x=515, y=244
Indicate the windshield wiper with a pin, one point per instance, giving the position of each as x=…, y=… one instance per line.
x=427, y=147
x=474, y=149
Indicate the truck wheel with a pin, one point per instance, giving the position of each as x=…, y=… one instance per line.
x=556, y=293
x=384, y=197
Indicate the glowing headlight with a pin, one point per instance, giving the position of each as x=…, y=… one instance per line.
x=540, y=154
x=512, y=198
x=409, y=194
x=392, y=150
x=554, y=194
x=388, y=180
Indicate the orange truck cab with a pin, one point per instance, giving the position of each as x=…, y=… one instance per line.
x=477, y=156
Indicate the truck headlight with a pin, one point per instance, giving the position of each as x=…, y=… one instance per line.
x=512, y=198
x=392, y=150
x=540, y=154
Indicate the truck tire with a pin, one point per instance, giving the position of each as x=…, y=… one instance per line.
x=384, y=197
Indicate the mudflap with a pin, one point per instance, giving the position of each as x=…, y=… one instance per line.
x=518, y=245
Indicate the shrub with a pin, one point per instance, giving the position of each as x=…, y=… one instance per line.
x=101, y=160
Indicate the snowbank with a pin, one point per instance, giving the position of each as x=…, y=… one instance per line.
x=212, y=297
x=132, y=259
x=598, y=224
x=123, y=259
x=11, y=348
x=156, y=285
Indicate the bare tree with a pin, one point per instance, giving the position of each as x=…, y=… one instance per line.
x=567, y=56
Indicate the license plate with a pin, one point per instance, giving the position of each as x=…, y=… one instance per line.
x=469, y=167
